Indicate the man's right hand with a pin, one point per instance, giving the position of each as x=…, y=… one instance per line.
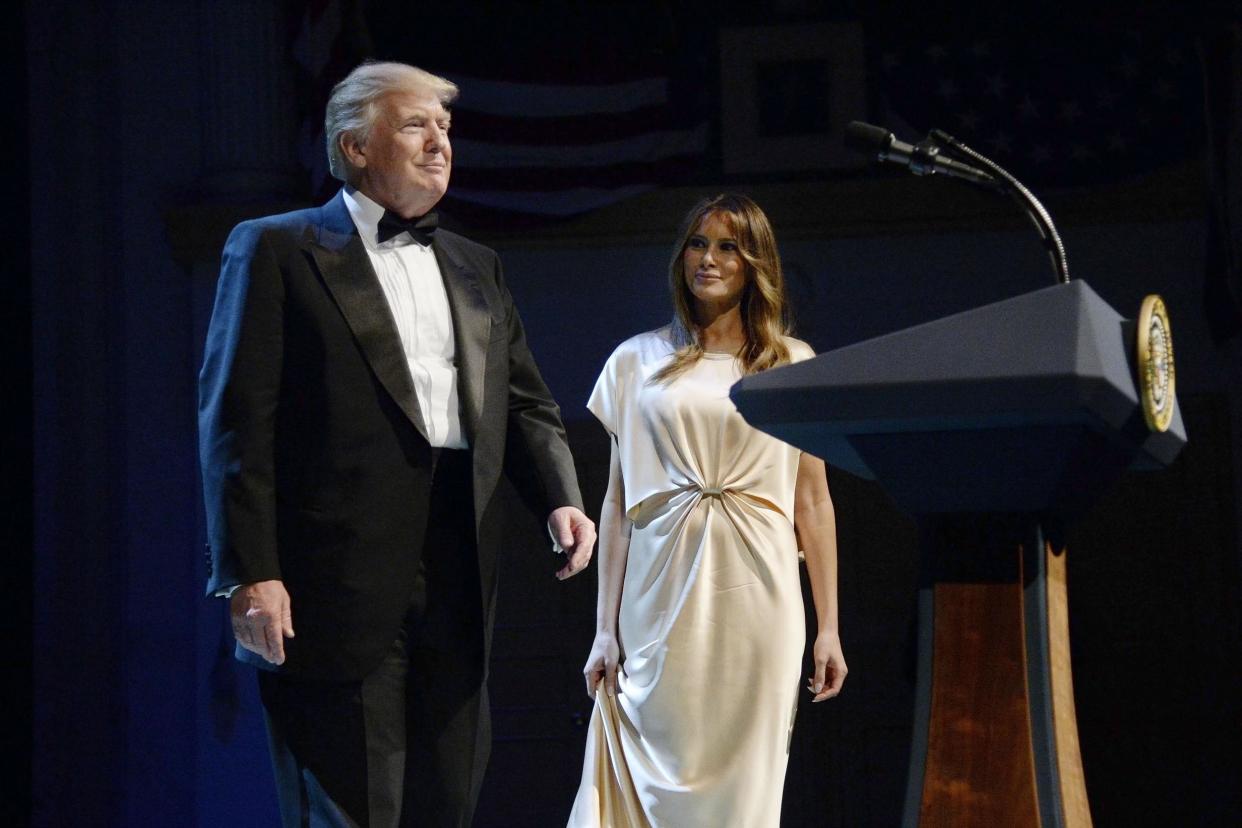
x=262, y=619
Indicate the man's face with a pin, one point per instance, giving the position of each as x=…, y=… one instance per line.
x=406, y=160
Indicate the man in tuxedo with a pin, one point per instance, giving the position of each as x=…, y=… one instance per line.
x=366, y=381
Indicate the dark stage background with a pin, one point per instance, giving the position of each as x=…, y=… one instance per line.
x=144, y=130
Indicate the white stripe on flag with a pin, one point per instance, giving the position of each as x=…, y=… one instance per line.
x=554, y=203
x=533, y=100
x=651, y=146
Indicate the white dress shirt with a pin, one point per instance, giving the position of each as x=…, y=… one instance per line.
x=412, y=283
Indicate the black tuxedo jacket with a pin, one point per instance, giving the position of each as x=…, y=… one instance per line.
x=316, y=467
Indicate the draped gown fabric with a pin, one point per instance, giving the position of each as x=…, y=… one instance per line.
x=711, y=623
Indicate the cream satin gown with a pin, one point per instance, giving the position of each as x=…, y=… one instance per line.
x=711, y=621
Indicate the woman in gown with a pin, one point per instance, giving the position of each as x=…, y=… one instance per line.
x=700, y=627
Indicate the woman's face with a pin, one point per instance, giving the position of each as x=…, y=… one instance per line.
x=714, y=268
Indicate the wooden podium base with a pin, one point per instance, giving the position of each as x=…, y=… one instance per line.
x=995, y=735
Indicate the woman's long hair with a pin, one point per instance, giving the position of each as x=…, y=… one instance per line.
x=765, y=318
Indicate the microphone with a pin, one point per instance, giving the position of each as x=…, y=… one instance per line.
x=922, y=158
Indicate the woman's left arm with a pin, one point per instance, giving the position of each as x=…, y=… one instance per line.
x=815, y=522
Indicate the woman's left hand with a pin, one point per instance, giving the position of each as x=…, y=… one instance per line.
x=830, y=667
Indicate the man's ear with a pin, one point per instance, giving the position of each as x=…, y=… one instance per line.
x=354, y=151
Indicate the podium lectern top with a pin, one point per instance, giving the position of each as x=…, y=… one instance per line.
x=1028, y=404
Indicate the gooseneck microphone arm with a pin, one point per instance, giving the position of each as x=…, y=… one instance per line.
x=1025, y=198
x=925, y=158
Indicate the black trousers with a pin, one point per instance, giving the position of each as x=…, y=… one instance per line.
x=408, y=745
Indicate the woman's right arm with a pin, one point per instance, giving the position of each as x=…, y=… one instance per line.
x=614, y=550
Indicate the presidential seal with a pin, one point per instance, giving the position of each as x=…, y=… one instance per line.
x=1155, y=364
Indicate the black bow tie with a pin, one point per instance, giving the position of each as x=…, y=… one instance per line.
x=420, y=228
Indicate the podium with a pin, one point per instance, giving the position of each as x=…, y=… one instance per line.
x=994, y=428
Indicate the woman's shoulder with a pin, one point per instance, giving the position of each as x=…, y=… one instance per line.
x=798, y=350
x=645, y=346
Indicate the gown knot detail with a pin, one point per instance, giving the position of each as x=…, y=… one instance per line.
x=711, y=491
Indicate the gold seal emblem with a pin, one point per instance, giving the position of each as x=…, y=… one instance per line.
x=1155, y=364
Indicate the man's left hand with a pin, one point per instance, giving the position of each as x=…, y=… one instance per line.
x=575, y=533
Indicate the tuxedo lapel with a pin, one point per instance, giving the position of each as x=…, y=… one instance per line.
x=346, y=270
x=472, y=327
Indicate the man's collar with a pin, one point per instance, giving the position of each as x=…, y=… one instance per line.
x=366, y=213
